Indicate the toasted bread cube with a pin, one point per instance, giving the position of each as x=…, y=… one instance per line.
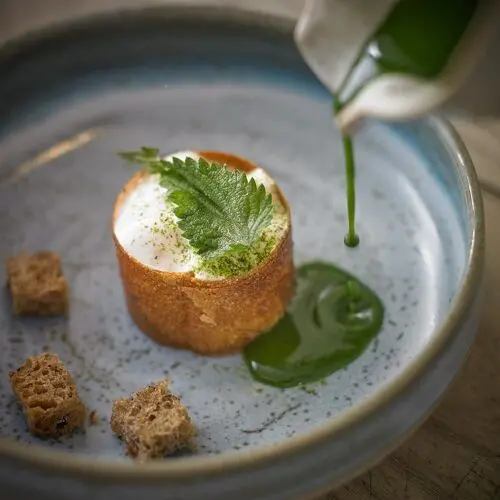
x=37, y=285
x=48, y=396
x=152, y=422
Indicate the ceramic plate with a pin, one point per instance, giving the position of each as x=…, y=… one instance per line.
x=71, y=101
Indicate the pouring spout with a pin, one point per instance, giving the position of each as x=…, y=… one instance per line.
x=398, y=59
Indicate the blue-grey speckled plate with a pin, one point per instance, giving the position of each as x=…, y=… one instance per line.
x=74, y=98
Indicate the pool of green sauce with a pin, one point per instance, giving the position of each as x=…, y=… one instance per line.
x=333, y=316
x=330, y=322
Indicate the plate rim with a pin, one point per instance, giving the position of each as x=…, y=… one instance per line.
x=233, y=461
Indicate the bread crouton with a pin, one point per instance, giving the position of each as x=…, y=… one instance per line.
x=37, y=285
x=152, y=422
x=48, y=396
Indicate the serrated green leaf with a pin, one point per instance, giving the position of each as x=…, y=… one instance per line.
x=220, y=210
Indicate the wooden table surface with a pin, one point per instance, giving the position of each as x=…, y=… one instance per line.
x=456, y=453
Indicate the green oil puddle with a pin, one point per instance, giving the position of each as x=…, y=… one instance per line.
x=330, y=322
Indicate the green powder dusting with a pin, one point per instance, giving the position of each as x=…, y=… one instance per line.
x=237, y=263
x=228, y=265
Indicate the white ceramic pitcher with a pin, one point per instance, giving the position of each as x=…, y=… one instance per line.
x=332, y=34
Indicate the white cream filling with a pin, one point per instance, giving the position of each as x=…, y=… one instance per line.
x=146, y=226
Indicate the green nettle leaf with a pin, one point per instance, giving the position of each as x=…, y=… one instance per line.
x=220, y=210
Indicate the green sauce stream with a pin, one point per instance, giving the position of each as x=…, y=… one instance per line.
x=351, y=239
